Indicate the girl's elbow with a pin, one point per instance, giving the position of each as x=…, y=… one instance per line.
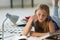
x=51, y=31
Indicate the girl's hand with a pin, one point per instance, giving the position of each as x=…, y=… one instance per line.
x=31, y=33
x=34, y=17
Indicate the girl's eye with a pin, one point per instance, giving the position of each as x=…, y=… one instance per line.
x=43, y=15
x=38, y=14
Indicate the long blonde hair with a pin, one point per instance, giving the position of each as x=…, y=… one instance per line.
x=45, y=24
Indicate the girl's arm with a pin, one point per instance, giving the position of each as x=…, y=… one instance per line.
x=28, y=25
x=36, y=34
x=51, y=29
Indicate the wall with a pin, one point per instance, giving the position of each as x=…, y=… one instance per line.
x=6, y=3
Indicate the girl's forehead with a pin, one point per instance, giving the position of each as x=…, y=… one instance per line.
x=41, y=11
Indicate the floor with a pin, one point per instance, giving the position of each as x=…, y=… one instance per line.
x=12, y=31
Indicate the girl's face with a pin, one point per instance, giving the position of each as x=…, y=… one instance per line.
x=42, y=15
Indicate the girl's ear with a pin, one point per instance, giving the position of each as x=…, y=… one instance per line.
x=35, y=14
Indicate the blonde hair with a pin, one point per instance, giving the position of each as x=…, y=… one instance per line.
x=45, y=24
x=43, y=7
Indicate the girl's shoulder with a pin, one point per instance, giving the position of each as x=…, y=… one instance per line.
x=51, y=21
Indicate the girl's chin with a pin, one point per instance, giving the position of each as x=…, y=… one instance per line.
x=40, y=21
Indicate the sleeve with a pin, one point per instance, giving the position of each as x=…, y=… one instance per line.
x=33, y=23
x=55, y=24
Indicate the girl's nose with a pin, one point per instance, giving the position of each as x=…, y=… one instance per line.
x=41, y=17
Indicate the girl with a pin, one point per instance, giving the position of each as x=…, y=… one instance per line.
x=41, y=21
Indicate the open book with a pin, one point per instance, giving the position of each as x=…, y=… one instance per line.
x=45, y=36
x=50, y=34
x=37, y=38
